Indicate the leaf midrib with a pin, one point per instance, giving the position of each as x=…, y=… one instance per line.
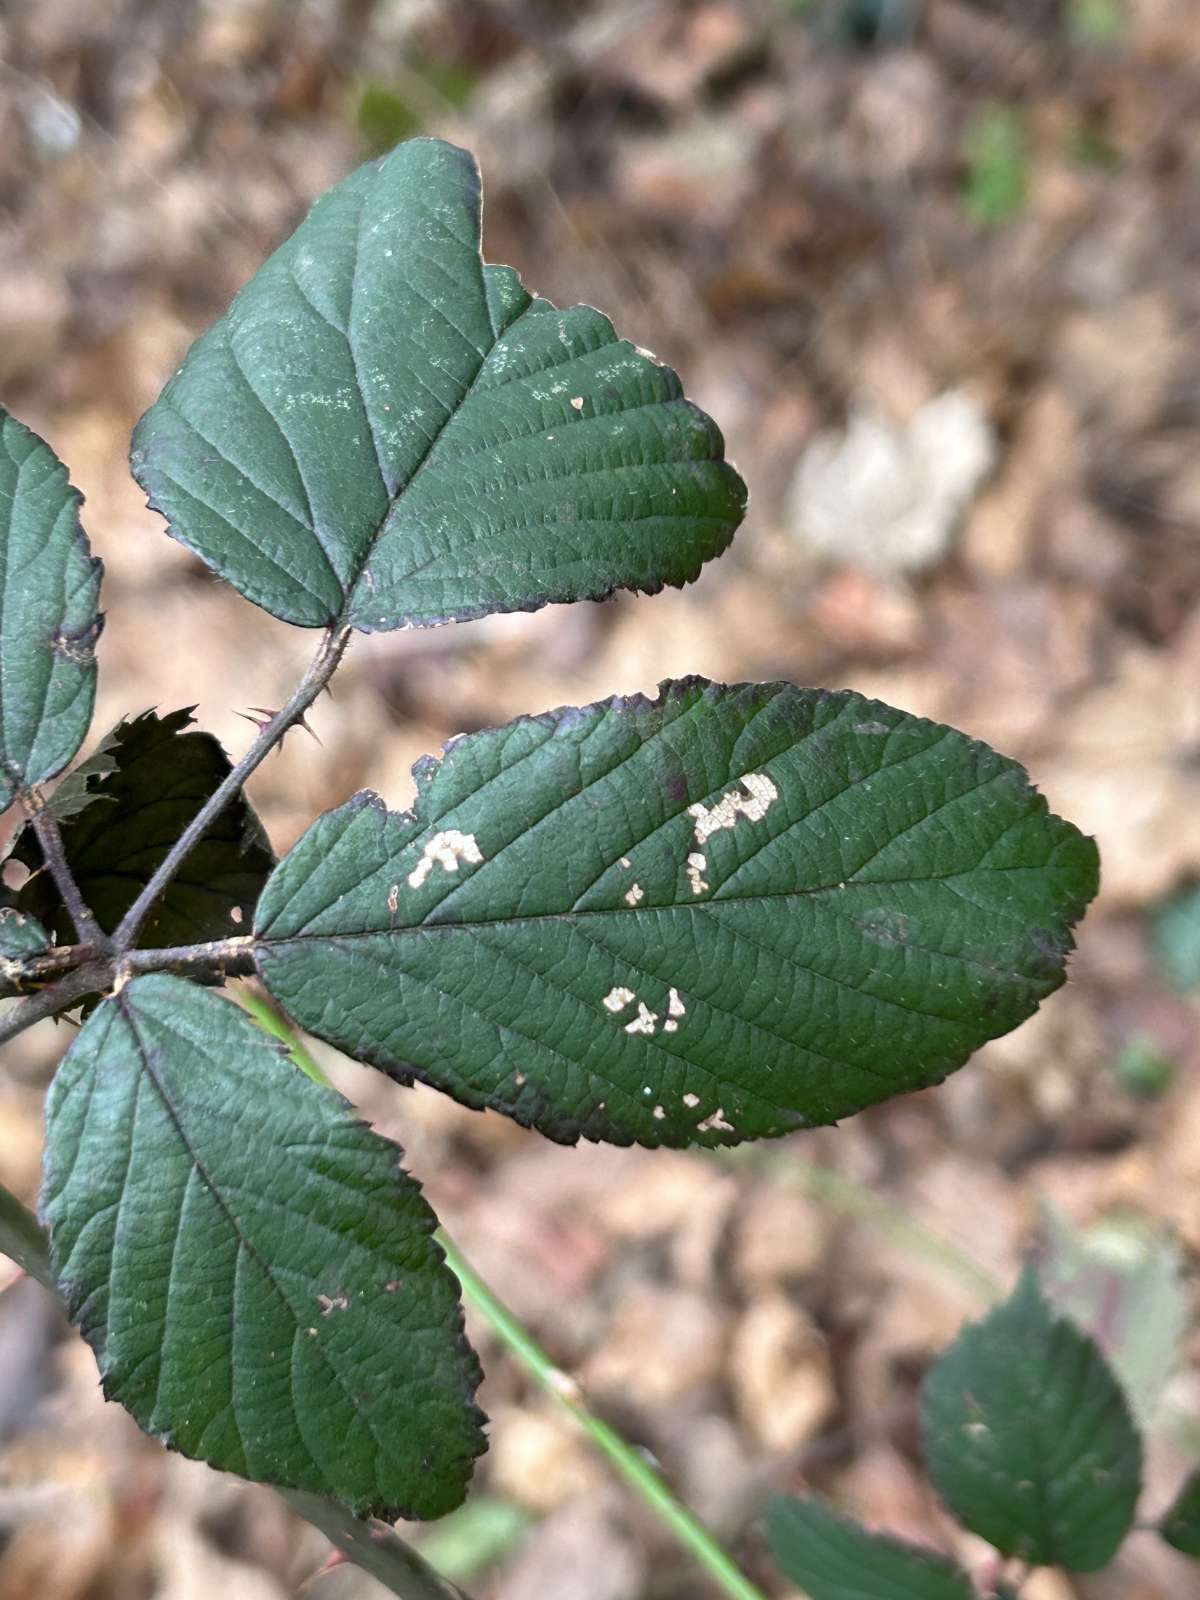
x=129, y=1016
x=359, y=564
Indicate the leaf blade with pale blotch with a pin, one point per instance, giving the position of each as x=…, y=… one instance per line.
x=254, y=1270
x=384, y=432
x=723, y=914
x=49, y=598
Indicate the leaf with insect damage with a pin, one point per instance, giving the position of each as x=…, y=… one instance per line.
x=722, y=914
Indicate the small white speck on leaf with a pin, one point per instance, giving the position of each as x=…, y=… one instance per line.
x=625, y=861
x=393, y=900
x=446, y=849
x=658, y=1113
x=634, y=893
x=518, y=1078
x=691, y=1101
x=577, y=402
x=332, y=1302
x=697, y=865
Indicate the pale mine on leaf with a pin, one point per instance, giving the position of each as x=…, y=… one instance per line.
x=445, y=849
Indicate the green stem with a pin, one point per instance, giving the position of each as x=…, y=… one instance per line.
x=22, y=1240
x=628, y=1461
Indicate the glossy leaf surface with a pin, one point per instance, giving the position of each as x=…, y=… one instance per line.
x=719, y=915
x=49, y=617
x=383, y=431
x=251, y=1265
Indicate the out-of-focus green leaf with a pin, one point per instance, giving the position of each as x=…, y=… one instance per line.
x=833, y=1558
x=1176, y=936
x=995, y=148
x=1181, y=1525
x=1028, y=1436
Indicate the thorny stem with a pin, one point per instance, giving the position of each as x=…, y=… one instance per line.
x=92, y=978
x=50, y=842
x=320, y=670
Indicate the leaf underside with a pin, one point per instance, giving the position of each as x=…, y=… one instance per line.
x=384, y=432
x=155, y=775
x=720, y=915
x=1029, y=1439
x=49, y=594
x=833, y=1558
x=255, y=1272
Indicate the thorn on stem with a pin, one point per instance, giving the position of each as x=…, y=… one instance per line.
x=262, y=719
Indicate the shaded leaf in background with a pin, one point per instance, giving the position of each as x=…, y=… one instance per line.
x=996, y=152
x=1181, y=1524
x=386, y=114
x=1028, y=1436
x=833, y=1558
x=20, y=933
x=1121, y=1282
x=254, y=1270
x=383, y=432
x=714, y=916
x=1176, y=938
x=49, y=595
x=77, y=790
x=161, y=777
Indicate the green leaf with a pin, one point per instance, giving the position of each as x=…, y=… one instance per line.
x=833, y=1558
x=715, y=916
x=1176, y=938
x=1028, y=1436
x=160, y=777
x=996, y=150
x=77, y=791
x=254, y=1270
x=1181, y=1525
x=20, y=934
x=49, y=593
x=383, y=432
